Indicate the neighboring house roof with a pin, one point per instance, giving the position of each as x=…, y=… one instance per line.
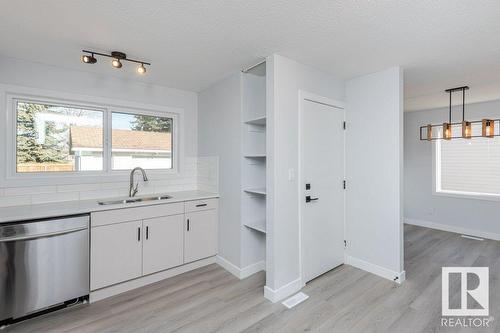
x=92, y=137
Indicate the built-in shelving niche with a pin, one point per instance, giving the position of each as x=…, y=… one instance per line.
x=254, y=196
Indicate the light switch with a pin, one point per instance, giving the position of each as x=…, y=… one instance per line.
x=291, y=175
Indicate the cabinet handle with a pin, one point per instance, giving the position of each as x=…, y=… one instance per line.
x=188, y=225
x=147, y=232
x=201, y=205
x=138, y=234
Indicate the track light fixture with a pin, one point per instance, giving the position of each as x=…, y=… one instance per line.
x=89, y=58
x=445, y=130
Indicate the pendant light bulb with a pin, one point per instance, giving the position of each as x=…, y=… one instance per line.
x=466, y=129
x=116, y=63
x=446, y=131
x=488, y=128
x=429, y=132
x=141, y=69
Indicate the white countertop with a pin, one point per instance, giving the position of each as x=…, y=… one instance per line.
x=31, y=212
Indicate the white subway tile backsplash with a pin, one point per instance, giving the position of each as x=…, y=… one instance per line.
x=54, y=197
x=196, y=174
x=16, y=191
x=15, y=200
x=101, y=194
x=78, y=187
x=115, y=186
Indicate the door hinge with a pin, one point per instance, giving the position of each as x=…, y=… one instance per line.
x=344, y=125
x=344, y=184
x=345, y=244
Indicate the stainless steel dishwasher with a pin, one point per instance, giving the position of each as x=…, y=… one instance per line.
x=43, y=264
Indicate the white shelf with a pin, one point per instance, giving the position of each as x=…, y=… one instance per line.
x=255, y=156
x=257, y=121
x=259, y=226
x=259, y=191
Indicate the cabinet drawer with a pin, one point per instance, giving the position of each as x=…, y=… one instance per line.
x=135, y=213
x=197, y=205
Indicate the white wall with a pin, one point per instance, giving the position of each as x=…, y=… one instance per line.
x=285, y=78
x=464, y=215
x=60, y=80
x=374, y=156
x=219, y=125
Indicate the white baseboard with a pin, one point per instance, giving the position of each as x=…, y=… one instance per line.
x=276, y=295
x=116, y=289
x=252, y=269
x=228, y=266
x=240, y=273
x=454, y=229
x=397, y=277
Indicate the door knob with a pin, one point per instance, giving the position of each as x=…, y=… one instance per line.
x=309, y=199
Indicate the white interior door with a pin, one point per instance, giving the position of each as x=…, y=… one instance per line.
x=322, y=167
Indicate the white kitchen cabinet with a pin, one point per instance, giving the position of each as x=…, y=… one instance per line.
x=116, y=253
x=131, y=246
x=200, y=235
x=163, y=244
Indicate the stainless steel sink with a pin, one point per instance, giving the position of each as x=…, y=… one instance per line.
x=133, y=200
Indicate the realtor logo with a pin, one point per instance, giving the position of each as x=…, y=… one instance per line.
x=465, y=291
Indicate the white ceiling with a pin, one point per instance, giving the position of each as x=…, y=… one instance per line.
x=193, y=43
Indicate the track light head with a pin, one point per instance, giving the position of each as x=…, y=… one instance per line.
x=141, y=69
x=88, y=59
x=116, y=63
x=117, y=56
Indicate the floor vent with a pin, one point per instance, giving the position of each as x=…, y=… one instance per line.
x=295, y=299
x=472, y=237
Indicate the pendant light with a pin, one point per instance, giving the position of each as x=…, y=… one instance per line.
x=488, y=125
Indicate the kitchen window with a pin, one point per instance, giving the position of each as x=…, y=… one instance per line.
x=46, y=134
x=58, y=138
x=468, y=167
x=141, y=140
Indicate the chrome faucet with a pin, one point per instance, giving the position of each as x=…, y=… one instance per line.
x=133, y=190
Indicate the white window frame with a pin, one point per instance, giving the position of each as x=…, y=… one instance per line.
x=108, y=161
x=436, y=181
x=13, y=94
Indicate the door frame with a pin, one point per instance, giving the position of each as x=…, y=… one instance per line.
x=315, y=98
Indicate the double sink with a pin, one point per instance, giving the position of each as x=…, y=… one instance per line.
x=134, y=200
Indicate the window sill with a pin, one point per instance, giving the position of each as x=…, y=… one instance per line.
x=468, y=195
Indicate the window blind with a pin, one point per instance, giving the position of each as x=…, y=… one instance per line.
x=468, y=165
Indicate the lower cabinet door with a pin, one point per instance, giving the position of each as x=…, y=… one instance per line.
x=163, y=243
x=115, y=253
x=200, y=235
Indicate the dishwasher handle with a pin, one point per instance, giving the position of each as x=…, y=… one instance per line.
x=42, y=235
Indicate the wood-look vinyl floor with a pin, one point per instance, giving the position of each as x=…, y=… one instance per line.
x=346, y=299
